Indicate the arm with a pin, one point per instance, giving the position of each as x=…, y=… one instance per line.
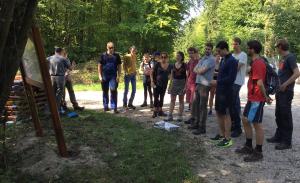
x=119, y=72
x=125, y=64
x=292, y=79
x=262, y=89
x=141, y=70
x=200, y=70
x=100, y=72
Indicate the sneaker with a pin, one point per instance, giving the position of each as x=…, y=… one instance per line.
x=116, y=111
x=255, y=156
x=199, y=131
x=225, y=143
x=78, y=108
x=144, y=104
x=130, y=106
x=125, y=106
x=210, y=112
x=161, y=113
x=154, y=115
x=217, y=138
x=273, y=140
x=244, y=150
x=106, y=109
x=236, y=133
x=283, y=146
x=189, y=121
x=169, y=118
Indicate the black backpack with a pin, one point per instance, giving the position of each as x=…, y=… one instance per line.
x=272, y=81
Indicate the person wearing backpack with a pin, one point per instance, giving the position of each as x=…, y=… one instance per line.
x=109, y=70
x=288, y=72
x=253, y=112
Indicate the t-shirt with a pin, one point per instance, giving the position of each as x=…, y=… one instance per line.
x=227, y=73
x=109, y=64
x=191, y=75
x=161, y=76
x=241, y=74
x=58, y=65
x=286, y=67
x=129, y=64
x=179, y=73
x=147, y=67
x=208, y=62
x=257, y=72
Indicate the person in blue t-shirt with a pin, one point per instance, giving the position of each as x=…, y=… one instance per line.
x=109, y=70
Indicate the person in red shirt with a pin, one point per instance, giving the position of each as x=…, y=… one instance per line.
x=253, y=112
x=191, y=81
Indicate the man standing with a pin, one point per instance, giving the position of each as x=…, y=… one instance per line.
x=253, y=112
x=205, y=71
x=288, y=72
x=235, y=110
x=69, y=86
x=129, y=66
x=191, y=80
x=57, y=68
x=109, y=70
x=225, y=82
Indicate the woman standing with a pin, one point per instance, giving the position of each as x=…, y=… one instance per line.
x=146, y=69
x=159, y=81
x=177, y=86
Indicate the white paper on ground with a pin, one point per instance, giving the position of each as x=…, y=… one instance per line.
x=166, y=126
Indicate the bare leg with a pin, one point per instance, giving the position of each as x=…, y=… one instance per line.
x=227, y=124
x=172, y=104
x=247, y=128
x=181, y=104
x=259, y=132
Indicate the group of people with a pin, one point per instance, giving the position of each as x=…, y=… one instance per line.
x=221, y=75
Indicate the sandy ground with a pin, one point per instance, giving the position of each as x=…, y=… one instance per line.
x=222, y=164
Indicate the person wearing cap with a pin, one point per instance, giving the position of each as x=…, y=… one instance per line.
x=58, y=66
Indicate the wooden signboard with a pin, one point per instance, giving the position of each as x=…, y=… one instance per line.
x=34, y=70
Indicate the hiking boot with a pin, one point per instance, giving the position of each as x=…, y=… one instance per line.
x=273, y=140
x=154, y=115
x=193, y=127
x=254, y=156
x=236, y=133
x=189, y=121
x=169, y=118
x=78, y=108
x=217, y=138
x=161, y=113
x=151, y=105
x=144, y=104
x=199, y=131
x=130, y=106
x=225, y=143
x=244, y=150
x=283, y=146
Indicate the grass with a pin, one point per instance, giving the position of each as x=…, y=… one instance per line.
x=97, y=86
x=133, y=154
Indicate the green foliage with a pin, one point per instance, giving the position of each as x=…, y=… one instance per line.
x=85, y=26
x=265, y=20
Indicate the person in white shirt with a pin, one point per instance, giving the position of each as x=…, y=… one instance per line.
x=235, y=112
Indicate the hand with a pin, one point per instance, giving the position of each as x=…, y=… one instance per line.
x=269, y=100
x=152, y=84
x=283, y=87
x=117, y=79
x=100, y=79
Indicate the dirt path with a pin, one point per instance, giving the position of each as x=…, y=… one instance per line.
x=223, y=165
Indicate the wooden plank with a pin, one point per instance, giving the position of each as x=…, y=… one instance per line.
x=49, y=91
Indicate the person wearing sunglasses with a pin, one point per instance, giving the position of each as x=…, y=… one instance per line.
x=109, y=70
x=159, y=81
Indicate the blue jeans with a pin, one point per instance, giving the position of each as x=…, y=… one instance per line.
x=235, y=109
x=110, y=83
x=129, y=79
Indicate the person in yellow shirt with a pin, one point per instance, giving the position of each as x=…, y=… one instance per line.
x=129, y=66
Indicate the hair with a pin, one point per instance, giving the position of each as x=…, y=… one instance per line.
x=255, y=45
x=58, y=50
x=182, y=55
x=237, y=40
x=164, y=53
x=146, y=53
x=192, y=49
x=223, y=45
x=284, y=44
x=209, y=44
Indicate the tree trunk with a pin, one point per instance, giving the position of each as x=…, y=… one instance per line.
x=22, y=17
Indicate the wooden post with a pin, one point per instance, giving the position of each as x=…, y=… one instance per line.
x=49, y=92
x=32, y=104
